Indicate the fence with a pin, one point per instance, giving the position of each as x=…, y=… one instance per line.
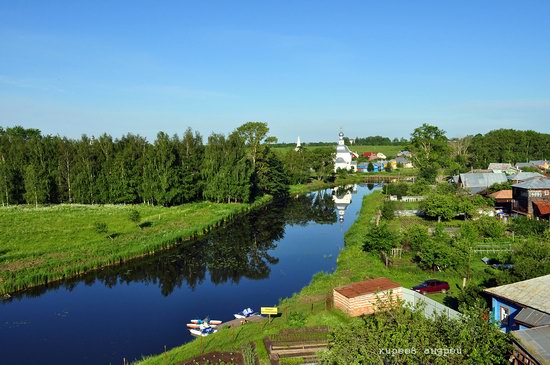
x=430, y=306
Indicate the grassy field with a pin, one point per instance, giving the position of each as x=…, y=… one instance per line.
x=45, y=244
x=389, y=151
x=353, y=265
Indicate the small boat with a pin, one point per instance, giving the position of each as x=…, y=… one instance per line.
x=202, y=332
x=196, y=325
x=206, y=321
x=245, y=313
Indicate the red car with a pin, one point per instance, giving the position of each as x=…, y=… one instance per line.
x=432, y=286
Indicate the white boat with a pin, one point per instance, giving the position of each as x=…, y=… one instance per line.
x=245, y=313
x=202, y=332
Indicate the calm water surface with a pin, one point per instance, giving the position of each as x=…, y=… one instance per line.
x=139, y=308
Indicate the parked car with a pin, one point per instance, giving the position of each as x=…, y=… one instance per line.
x=432, y=286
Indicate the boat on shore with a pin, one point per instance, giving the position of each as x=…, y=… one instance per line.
x=245, y=313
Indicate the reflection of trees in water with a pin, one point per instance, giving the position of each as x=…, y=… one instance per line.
x=241, y=249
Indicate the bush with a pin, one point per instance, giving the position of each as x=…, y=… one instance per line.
x=134, y=216
x=388, y=209
x=490, y=227
x=296, y=319
x=531, y=259
x=415, y=237
x=100, y=227
x=528, y=227
x=398, y=189
x=379, y=238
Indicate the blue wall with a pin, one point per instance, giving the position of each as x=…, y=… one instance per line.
x=514, y=309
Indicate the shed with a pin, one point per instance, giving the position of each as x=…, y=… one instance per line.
x=532, y=346
x=366, y=297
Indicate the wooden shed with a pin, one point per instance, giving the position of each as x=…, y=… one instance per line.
x=366, y=297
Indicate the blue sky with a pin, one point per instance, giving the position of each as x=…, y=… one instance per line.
x=305, y=67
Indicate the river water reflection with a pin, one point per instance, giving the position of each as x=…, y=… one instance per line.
x=138, y=308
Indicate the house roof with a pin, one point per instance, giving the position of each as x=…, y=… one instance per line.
x=538, y=162
x=367, y=287
x=402, y=160
x=524, y=175
x=541, y=182
x=536, y=341
x=533, y=293
x=543, y=206
x=532, y=317
x=502, y=194
x=499, y=166
x=482, y=180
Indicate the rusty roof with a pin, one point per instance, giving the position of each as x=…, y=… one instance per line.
x=543, y=206
x=367, y=287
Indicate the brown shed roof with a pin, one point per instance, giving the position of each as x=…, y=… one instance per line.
x=502, y=194
x=367, y=287
x=543, y=206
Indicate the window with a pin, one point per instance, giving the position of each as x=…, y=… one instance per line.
x=535, y=193
x=504, y=313
x=546, y=192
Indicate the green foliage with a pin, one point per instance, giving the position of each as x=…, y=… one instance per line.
x=388, y=209
x=398, y=189
x=100, y=227
x=249, y=354
x=419, y=187
x=416, y=237
x=134, y=216
x=479, y=341
x=296, y=319
x=440, y=206
x=370, y=167
x=527, y=227
x=490, y=227
x=499, y=186
x=430, y=150
x=531, y=258
x=380, y=238
x=508, y=145
x=437, y=253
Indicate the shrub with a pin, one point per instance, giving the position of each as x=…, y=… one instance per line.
x=527, y=227
x=296, y=319
x=398, y=189
x=134, y=216
x=490, y=227
x=100, y=227
x=379, y=238
x=388, y=209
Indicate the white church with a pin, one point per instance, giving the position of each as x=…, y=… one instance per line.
x=344, y=156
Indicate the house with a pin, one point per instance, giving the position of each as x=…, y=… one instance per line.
x=404, y=153
x=366, y=297
x=521, y=305
x=477, y=182
x=531, y=346
x=381, y=156
x=391, y=163
x=522, y=176
x=405, y=162
x=532, y=197
x=369, y=155
x=523, y=309
x=499, y=167
x=522, y=165
x=344, y=157
x=541, y=164
x=503, y=199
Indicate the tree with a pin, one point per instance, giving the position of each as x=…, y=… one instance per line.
x=253, y=133
x=440, y=206
x=388, y=209
x=380, y=238
x=405, y=336
x=430, y=150
x=370, y=167
x=531, y=258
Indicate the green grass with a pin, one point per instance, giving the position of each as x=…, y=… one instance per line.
x=45, y=244
x=389, y=151
x=353, y=264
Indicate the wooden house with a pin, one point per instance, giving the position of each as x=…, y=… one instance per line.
x=532, y=197
x=366, y=297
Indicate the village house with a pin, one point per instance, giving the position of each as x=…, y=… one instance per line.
x=532, y=197
x=522, y=176
x=523, y=308
x=404, y=153
x=477, y=182
x=540, y=164
x=369, y=155
x=503, y=200
x=405, y=162
x=381, y=156
x=499, y=167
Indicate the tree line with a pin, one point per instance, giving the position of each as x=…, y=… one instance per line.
x=44, y=169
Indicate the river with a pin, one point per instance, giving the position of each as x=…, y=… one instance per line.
x=139, y=308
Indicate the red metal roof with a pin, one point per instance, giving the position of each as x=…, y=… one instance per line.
x=368, y=154
x=543, y=206
x=367, y=287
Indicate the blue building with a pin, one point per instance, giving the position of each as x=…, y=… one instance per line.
x=521, y=305
x=523, y=308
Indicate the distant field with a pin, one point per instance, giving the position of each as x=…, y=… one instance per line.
x=389, y=151
x=49, y=243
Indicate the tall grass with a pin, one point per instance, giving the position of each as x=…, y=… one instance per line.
x=45, y=244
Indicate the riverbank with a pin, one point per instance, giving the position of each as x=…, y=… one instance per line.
x=356, y=178
x=46, y=244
